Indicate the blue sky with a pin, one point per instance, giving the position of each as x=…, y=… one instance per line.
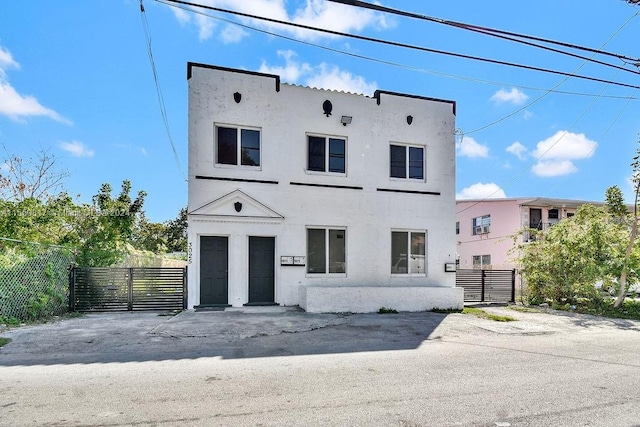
x=75, y=78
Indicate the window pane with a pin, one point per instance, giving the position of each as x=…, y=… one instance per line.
x=316, y=154
x=416, y=163
x=227, y=146
x=399, y=246
x=337, y=251
x=250, y=143
x=417, y=253
x=316, y=251
x=336, y=155
x=398, y=158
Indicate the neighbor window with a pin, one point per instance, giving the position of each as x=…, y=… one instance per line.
x=457, y=227
x=481, y=225
x=237, y=146
x=326, y=250
x=406, y=161
x=408, y=252
x=326, y=154
x=482, y=261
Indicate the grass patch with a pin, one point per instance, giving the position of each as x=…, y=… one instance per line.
x=385, y=310
x=484, y=315
x=4, y=341
x=630, y=309
x=446, y=310
x=523, y=309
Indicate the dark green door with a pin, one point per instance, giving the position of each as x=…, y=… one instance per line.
x=214, y=267
x=261, y=270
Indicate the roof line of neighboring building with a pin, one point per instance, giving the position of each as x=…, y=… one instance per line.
x=531, y=200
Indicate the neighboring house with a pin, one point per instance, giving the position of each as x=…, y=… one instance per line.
x=485, y=228
x=328, y=200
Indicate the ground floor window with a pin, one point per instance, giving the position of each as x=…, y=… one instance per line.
x=326, y=250
x=408, y=250
x=482, y=261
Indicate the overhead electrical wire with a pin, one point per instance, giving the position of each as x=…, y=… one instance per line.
x=403, y=45
x=508, y=35
x=386, y=62
x=163, y=110
x=391, y=63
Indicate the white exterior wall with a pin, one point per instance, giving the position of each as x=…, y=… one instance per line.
x=284, y=211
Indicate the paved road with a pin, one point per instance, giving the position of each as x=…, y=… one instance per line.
x=291, y=368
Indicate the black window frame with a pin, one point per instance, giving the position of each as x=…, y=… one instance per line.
x=242, y=151
x=324, y=153
x=403, y=164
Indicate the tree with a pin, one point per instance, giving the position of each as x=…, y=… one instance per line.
x=565, y=262
x=109, y=226
x=35, y=177
x=149, y=236
x=615, y=199
x=177, y=232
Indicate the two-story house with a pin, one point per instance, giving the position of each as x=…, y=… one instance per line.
x=485, y=228
x=332, y=201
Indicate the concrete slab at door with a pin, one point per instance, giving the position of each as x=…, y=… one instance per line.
x=214, y=270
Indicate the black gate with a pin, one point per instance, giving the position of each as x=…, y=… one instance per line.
x=122, y=289
x=487, y=285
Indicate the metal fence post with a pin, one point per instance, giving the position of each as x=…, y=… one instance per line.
x=72, y=289
x=185, y=289
x=130, y=289
x=482, y=289
x=513, y=285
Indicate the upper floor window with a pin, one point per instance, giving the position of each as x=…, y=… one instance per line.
x=481, y=224
x=408, y=249
x=457, y=227
x=326, y=154
x=237, y=146
x=406, y=161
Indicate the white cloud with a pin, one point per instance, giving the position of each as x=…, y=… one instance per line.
x=181, y=15
x=334, y=78
x=468, y=147
x=517, y=149
x=549, y=168
x=77, y=149
x=315, y=13
x=565, y=145
x=232, y=34
x=513, y=96
x=320, y=76
x=557, y=153
x=15, y=105
x=482, y=191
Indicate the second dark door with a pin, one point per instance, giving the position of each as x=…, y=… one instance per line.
x=261, y=270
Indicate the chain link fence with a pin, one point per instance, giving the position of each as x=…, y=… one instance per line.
x=34, y=281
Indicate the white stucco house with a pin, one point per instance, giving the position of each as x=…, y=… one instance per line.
x=332, y=201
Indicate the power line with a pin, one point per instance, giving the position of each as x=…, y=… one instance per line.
x=163, y=110
x=390, y=63
x=489, y=31
x=403, y=45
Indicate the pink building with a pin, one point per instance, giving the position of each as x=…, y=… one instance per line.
x=484, y=228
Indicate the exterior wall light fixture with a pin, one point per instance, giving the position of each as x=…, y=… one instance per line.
x=346, y=120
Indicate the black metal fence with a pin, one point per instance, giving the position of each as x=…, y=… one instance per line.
x=487, y=285
x=122, y=289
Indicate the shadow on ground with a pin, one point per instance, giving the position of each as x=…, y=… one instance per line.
x=140, y=337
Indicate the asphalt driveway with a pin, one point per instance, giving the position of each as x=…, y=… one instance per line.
x=273, y=331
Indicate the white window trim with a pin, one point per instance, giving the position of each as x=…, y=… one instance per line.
x=326, y=151
x=326, y=229
x=424, y=162
x=239, y=128
x=426, y=252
